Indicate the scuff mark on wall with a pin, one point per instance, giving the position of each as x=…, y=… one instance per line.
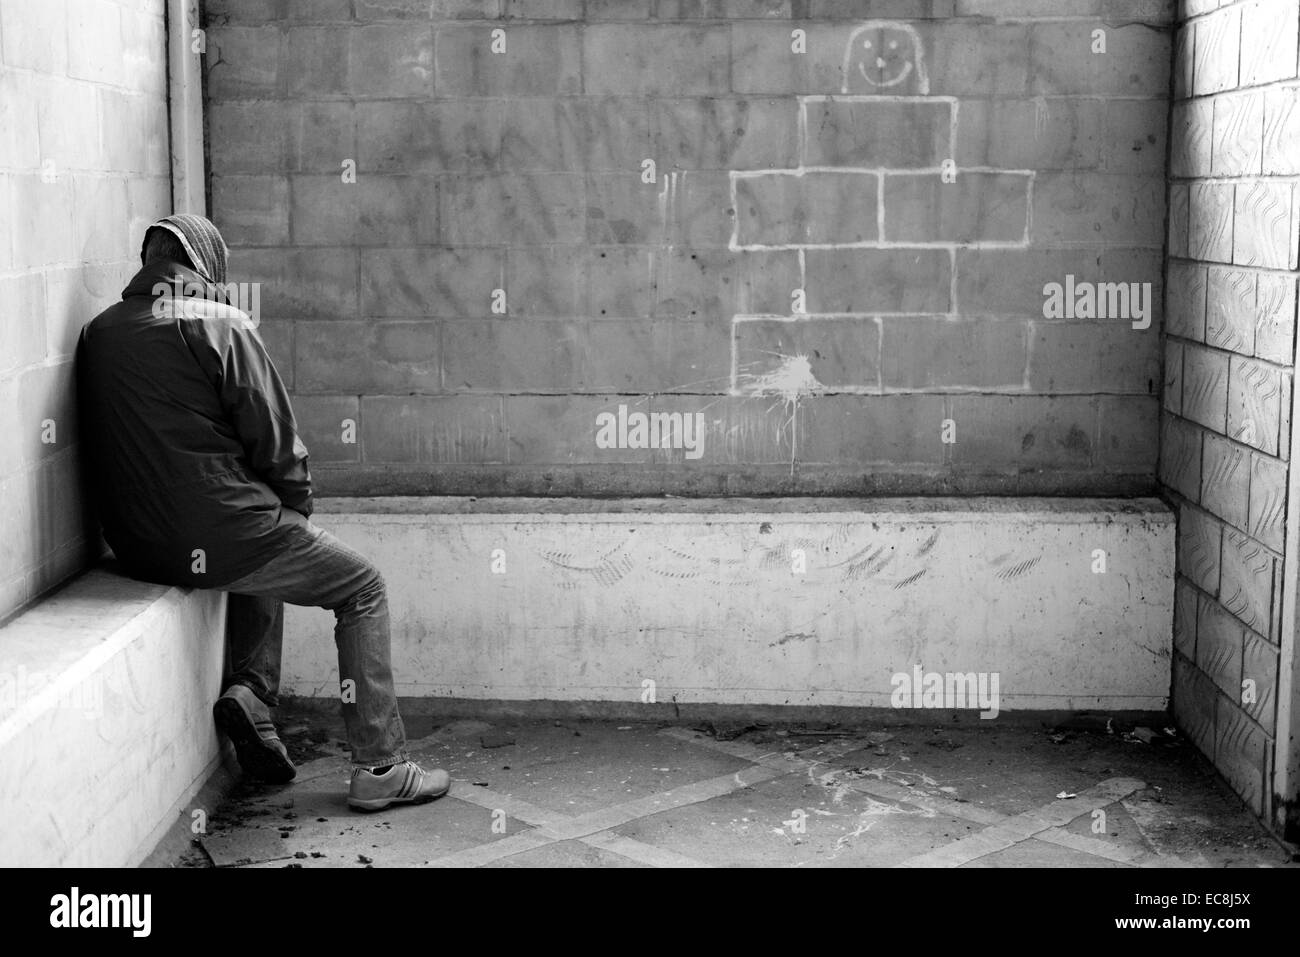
x=872, y=565
x=609, y=569
x=1018, y=569
x=910, y=579
x=924, y=548
x=796, y=636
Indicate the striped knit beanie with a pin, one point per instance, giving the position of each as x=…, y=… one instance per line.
x=206, y=248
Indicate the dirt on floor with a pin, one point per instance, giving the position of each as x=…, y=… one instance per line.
x=585, y=792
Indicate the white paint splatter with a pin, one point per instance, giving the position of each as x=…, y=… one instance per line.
x=845, y=839
x=790, y=381
x=871, y=815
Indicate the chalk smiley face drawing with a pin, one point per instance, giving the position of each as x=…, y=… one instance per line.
x=885, y=57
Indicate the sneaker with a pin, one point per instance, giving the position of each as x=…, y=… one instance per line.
x=247, y=722
x=405, y=783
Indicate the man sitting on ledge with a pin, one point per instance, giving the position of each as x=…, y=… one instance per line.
x=200, y=480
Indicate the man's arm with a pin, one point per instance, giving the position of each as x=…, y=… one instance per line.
x=255, y=398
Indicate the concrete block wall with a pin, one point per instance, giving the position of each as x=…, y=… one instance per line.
x=83, y=168
x=839, y=263
x=1234, y=220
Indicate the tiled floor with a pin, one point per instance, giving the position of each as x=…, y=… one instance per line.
x=601, y=794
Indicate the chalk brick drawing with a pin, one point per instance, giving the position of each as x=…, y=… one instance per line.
x=875, y=195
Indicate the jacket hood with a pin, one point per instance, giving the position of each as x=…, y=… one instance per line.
x=202, y=241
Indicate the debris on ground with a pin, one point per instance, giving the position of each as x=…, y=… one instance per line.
x=1140, y=735
x=728, y=732
x=820, y=732
x=860, y=775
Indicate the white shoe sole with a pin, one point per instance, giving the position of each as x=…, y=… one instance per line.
x=378, y=804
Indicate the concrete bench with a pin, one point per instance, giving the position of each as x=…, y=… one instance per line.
x=762, y=602
x=106, y=691
x=106, y=686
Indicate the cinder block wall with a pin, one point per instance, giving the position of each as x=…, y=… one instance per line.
x=798, y=272
x=83, y=169
x=1234, y=221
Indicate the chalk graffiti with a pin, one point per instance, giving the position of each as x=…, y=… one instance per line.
x=884, y=55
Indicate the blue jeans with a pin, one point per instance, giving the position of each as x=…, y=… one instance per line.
x=319, y=570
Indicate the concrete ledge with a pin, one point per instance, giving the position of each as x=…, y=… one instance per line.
x=106, y=730
x=723, y=481
x=588, y=600
x=949, y=508
x=421, y=713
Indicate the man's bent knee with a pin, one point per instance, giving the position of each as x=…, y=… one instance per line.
x=371, y=592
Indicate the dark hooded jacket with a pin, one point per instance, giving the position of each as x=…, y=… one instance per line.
x=193, y=457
